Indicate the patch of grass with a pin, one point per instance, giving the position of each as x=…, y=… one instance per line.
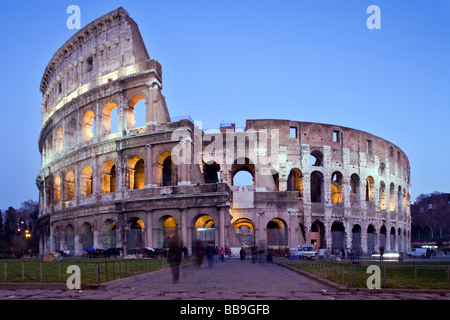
x=400, y=275
x=92, y=271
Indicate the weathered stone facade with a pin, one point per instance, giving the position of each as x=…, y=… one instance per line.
x=327, y=185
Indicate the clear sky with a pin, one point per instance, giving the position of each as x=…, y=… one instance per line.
x=232, y=60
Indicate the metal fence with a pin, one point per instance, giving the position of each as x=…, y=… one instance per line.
x=409, y=276
x=92, y=271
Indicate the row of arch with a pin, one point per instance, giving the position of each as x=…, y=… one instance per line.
x=64, y=185
x=108, y=121
x=390, y=198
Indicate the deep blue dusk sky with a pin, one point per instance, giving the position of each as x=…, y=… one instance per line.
x=228, y=61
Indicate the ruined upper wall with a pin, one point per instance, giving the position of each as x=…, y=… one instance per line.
x=106, y=49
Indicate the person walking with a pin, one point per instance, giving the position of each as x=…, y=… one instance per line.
x=242, y=253
x=174, y=256
x=222, y=254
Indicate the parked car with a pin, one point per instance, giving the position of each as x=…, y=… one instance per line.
x=419, y=252
x=305, y=251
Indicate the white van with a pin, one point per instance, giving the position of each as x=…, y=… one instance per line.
x=305, y=251
x=418, y=252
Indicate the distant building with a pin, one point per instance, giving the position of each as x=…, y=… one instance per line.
x=107, y=183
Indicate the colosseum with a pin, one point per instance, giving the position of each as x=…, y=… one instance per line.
x=108, y=182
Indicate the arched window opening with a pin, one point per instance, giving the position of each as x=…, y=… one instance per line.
x=382, y=195
x=243, y=172
x=88, y=125
x=69, y=186
x=211, y=172
x=136, y=111
x=400, y=199
x=108, y=177
x=135, y=173
x=86, y=181
x=336, y=187
x=57, y=190
x=355, y=187
x=370, y=189
x=317, y=186
x=316, y=158
x=392, y=197
x=110, y=118
x=295, y=181
x=59, y=140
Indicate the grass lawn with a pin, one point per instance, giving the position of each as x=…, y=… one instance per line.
x=92, y=270
x=404, y=275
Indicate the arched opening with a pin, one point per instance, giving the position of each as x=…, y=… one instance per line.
x=86, y=181
x=108, y=177
x=167, y=229
x=400, y=242
x=316, y=158
x=69, y=186
x=245, y=232
x=277, y=234
x=382, y=196
x=166, y=169
x=135, y=173
x=57, y=190
x=370, y=189
x=371, y=239
x=135, y=234
x=59, y=140
x=356, y=239
x=317, y=186
x=354, y=188
x=336, y=187
x=383, y=237
x=243, y=172
x=400, y=199
x=87, y=235
x=109, y=234
x=204, y=231
x=392, y=197
x=136, y=111
x=295, y=181
x=392, y=239
x=88, y=125
x=70, y=238
x=318, y=235
x=110, y=118
x=71, y=134
x=211, y=172
x=337, y=236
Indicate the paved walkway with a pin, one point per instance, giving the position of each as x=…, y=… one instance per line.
x=229, y=280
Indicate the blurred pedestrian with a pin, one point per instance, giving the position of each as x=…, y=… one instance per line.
x=210, y=252
x=174, y=256
x=242, y=253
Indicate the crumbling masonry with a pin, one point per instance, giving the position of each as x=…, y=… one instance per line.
x=106, y=183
